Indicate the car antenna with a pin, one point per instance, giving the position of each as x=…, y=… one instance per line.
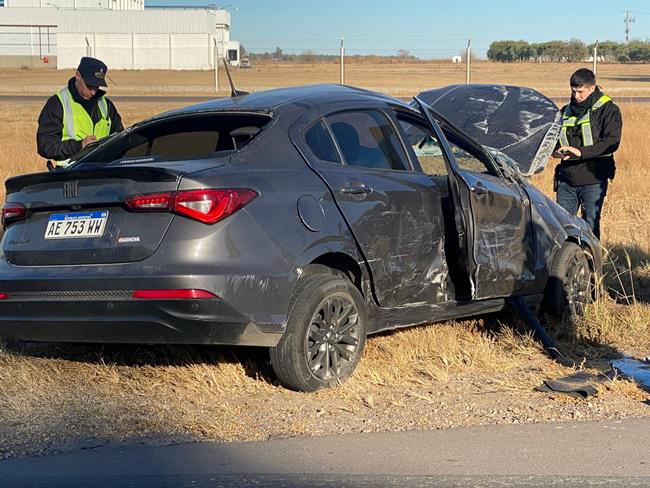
x=233, y=91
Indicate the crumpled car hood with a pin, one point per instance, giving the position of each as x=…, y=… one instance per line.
x=517, y=121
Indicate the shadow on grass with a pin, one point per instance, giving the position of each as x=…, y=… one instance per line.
x=625, y=279
x=579, y=350
x=624, y=275
x=254, y=360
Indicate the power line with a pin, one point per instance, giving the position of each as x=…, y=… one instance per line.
x=628, y=21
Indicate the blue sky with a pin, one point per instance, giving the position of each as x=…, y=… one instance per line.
x=425, y=28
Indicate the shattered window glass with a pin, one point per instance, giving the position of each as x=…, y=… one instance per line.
x=467, y=161
x=426, y=147
x=178, y=138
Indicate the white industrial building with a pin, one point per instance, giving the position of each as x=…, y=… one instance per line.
x=122, y=33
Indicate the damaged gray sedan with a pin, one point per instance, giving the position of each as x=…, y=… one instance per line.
x=300, y=219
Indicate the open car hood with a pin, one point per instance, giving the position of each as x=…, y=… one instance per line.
x=517, y=121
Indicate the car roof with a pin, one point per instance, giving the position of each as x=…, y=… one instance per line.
x=284, y=98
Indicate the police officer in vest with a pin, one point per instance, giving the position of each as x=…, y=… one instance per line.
x=590, y=134
x=77, y=115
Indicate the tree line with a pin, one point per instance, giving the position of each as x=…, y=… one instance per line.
x=311, y=57
x=569, y=51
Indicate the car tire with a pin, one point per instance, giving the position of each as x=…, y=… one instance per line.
x=569, y=287
x=325, y=335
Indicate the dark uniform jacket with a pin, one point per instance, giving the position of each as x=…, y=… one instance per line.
x=606, y=127
x=50, y=124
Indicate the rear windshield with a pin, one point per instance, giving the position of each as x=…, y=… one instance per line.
x=180, y=138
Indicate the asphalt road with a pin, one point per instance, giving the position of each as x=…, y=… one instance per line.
x=611, y=454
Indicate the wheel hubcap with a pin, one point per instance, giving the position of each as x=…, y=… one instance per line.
x=333, y=337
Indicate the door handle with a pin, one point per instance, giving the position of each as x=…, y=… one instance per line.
x=356, y=190
x=479, y=189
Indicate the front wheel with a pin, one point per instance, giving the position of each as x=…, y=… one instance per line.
x=325, y=334
x=569, y=288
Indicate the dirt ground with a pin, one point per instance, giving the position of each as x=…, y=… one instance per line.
x=62, y=398
x=56, y=398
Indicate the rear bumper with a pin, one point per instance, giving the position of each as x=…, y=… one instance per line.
x=112, y=317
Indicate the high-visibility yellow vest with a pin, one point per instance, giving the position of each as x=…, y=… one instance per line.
x=569, y=120
x=77, y=124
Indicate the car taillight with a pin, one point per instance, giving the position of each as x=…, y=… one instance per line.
x=155, y=201
x=13, y=211
x=210, y=206
x=172, y=294
x=207, y=206
x=4, y=296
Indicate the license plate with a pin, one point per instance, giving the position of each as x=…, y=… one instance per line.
x=76, y=225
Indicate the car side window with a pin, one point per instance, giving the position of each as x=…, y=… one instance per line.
x=426, y=147
x=468, y=161
x=368, y=139
x=320, y=143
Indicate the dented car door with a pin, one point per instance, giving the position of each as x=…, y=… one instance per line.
x=496, y=222
x=393, y=212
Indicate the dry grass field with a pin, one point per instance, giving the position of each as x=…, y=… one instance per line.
x=397, y=79
x=473, y=372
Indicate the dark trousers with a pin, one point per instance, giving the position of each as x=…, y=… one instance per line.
x=589, y=198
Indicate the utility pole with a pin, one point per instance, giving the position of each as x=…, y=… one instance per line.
x=595, y=56
x=342, y=76
x=216, y=65
x=469, y=61
x=628, y=20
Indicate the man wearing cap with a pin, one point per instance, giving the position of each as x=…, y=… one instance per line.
x=77, y=115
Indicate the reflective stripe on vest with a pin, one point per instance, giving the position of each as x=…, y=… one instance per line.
x=77, y=124
x=584, y=122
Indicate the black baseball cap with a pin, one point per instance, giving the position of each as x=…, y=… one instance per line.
x=93, y=71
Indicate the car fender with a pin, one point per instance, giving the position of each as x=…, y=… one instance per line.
x=553, y=227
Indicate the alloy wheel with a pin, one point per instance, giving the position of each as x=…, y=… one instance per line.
x=332, y=337
x=577, y=285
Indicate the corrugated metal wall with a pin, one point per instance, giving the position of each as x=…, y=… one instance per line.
x=149, y=39
x=89, y=4
x=146, y=39
x=29, y=16
x=27, y=32
x=150, y=21
x=27, y=41
x=138, y=51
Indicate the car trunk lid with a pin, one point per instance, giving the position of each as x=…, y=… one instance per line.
x=78, y=217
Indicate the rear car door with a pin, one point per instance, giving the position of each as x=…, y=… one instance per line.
x=496, y=221
x=389, y=207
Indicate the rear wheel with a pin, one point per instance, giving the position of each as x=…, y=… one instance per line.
x=569, y=287
x=325, y=334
